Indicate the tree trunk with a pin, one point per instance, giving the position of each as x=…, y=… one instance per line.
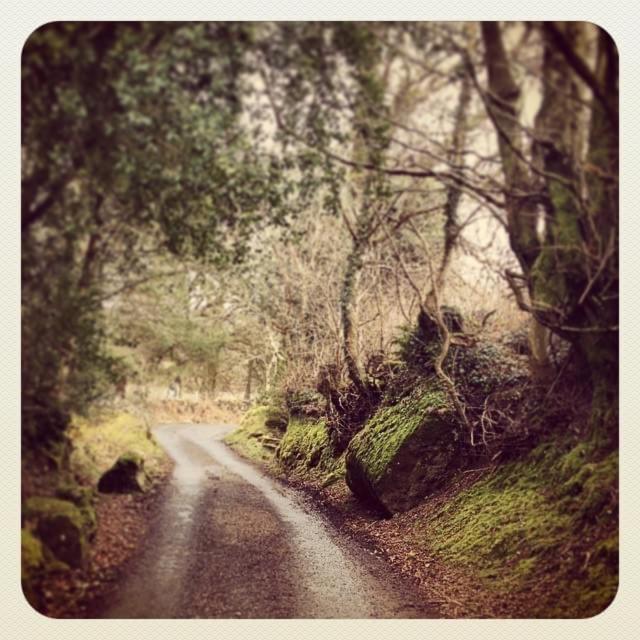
x=580, y=256
x=572, y=274
x=539, y=346
x=504, y=93
x=247, y=389
x=347, y=296
x=212, y=370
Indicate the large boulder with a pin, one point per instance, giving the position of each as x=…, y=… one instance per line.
x=127, y=475
x=60, y=526
x=404, y=452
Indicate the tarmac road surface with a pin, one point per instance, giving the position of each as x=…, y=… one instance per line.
x=229, y=542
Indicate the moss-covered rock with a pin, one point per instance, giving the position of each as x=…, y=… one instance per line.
x=305, y=403
x=404, y=452
x=306, y=449
x=127, y=475
x=37, y=561
x=98, y=441
x=254, y=438
x=75, y=493
x=60, y=526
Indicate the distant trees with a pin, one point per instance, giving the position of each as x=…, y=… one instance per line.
x=176, y=319
x=352, y=93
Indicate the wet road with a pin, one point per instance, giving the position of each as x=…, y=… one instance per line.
x=229, y=542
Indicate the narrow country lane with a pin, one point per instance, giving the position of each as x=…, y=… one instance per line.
x=229, y=542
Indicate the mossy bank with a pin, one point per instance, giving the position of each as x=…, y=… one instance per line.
x=538, y=533
x=61, y=502
x=543, y=527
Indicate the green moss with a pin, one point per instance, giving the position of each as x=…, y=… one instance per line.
x=530, y=519
x=39, y=506
x=573, y=461
x=254, y=438
x=32, y=554
x=566, y=230
x=404, y=452
x=132, y=458
x=37, y=561
x=98, y=442
x=557, y=275
x=61, y=526
x=254, y=420
x=492, y=522
x=276, y=418
x=79, y=495
x=593, y=586
x=83, y=498
x=305, y=449
x=548, y=283
x=32, y=565
x=525, y=567
x=595, y=483
x=333, y=477
x=390, y=427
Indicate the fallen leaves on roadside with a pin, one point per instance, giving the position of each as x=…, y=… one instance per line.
x=123, y=522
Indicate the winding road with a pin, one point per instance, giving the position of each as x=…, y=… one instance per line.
x=229, y=542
